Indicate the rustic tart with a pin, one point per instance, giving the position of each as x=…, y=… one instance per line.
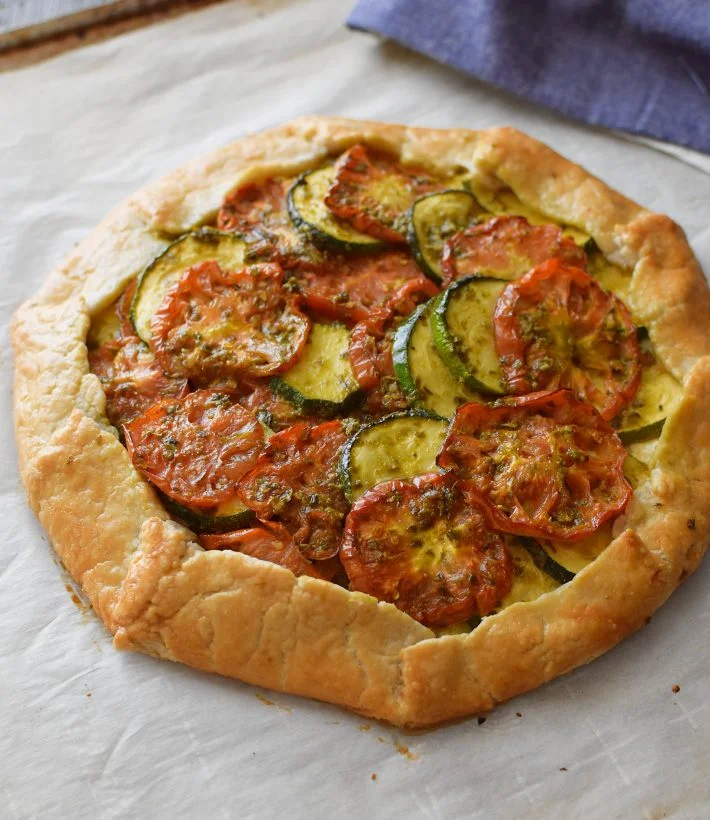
x=402, y=419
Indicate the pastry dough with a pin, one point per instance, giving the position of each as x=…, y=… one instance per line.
x=159, y=592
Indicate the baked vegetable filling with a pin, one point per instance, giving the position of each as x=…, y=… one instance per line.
x=386, y=378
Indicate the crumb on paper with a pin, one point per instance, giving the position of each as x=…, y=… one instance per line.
x=363, y=727
x=481, y=721
x=373, y=776
x=268, y=702
x=518, y=714
x=405, y=751
x=563, y=768
x=87, y=694
x=675, y=688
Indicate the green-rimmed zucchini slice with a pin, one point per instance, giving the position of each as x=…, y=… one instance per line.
x=462, y=328
x=424, y=378
x=572, y=558
x=231, y=515
x=201, y=246
x=529, y=580
x=432, y=220
x=403, y=445
x=658, y=395
x=309, y=213
x=322, y=382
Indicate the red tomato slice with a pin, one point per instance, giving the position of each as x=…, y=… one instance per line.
x=217, y=326
x=346, y=288
x=268, y=542
x=555, y=327
x=425, y=547
x=543, y=465
x=296, y=482
x=370, y=355
x=373, y=192
x=505, y=248
x=258, y=212
x=197, y=448
x=131, y=378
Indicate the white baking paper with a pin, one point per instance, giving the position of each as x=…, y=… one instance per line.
x=87, y=732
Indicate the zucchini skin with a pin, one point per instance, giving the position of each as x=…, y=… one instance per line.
x=445, y=342
x=546, y=563
x=345, y=463
x=320, y=408
x=320, y=237
x=449, y=393
x=643, y=433
x=400, y=355
x=201, y=522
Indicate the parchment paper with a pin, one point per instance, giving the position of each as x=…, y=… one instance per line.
x=87, y=732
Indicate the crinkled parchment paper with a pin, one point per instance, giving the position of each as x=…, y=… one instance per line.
x=87, y=732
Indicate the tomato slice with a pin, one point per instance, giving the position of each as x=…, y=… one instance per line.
x=268, y=542
x=346, y=288
x=215, y=326
x=197, y=448
x=555, y=327
x=373, y=192
x=131, y=378
x=258, y=212
x=425, y=547
x=295, y=481
x=543, y=465
x=505, y=248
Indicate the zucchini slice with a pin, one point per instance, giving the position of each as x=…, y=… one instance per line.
x=424, y=378
x=322, y=382
x=462, y=328
x=572, y=558
x=306, y=207
x=403, y=445
x=432, y=220
x=658, y=395
x=231, y=515
x=201, y=246
x=529, y=580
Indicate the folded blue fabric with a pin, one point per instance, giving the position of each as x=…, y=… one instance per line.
x=636, y=65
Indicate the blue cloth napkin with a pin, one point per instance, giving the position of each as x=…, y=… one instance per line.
x=636, y=65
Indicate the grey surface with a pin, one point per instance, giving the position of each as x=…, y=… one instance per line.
x=156, y=740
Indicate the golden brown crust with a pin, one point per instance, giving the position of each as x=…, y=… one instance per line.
x=159, y=592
